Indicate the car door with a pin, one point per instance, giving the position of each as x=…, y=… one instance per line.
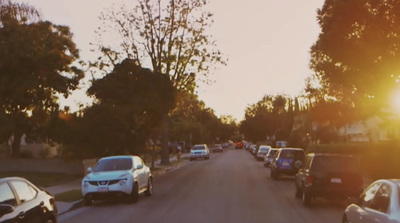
x=140, y=172
x=361, y=213
x=378, y=210
x=29, y=209
x=8, y=198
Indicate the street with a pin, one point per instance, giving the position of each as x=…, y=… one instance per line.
x=229, y=187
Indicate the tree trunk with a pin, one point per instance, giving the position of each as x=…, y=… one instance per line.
x=16, y=144
x=164, y=141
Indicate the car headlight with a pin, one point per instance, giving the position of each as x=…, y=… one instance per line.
x=122, y=182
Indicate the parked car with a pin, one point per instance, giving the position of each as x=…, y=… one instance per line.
x=252, y=148
x=225, y=145
x=22, y=201
x=270, y=157
x=287, y=161
x=380, y=202
x=262, y=151
x=199, y=151
x=239, y=145
x=332, y=176
x=217, y=148
x=117, y=177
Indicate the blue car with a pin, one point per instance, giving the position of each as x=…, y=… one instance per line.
x=287, y=162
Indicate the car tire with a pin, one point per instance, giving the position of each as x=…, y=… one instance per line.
x=344, y=219
x=134, y=196
x=149, y=190
x=87, y=201
x=50, y=221
x=299, y=193
x=306, y=198
x=274, y=175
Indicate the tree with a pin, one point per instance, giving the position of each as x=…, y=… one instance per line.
x=170, y=37
x=129, y=102
x=356, y=55
x=36, y=60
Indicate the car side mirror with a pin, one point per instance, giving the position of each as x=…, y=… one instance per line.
x=140, y=166
x=5, y=209
x=89, y=169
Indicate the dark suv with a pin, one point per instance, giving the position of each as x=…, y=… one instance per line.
x=287, y=161
x=329, y=176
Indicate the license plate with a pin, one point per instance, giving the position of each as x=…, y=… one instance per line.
x=102, y=189
x=284, y=163
x=336, y=180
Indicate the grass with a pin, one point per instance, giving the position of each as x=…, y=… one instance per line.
x=69, y=196
x=42, y=179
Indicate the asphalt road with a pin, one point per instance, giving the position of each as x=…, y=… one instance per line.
x=229, y=187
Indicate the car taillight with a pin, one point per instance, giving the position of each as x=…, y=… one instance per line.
x=308, y=180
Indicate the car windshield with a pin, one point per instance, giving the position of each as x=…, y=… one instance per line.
x=263, y=150
x=113, y=164
x=335, y=164
x=200, y=147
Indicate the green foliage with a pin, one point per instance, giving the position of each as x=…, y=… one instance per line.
x=69, y=196
x=271, y=116
x=35, y=63
x=131, y=102
x=356, y=56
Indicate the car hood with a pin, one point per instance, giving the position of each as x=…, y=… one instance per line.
x=107, y=175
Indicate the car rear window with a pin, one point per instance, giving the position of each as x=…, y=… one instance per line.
x=200, y=147
x=291, y=154
x=113, y=164
x=335, y=164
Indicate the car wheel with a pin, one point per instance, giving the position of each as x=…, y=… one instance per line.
x=134, y=196
x=306, y=198
x=149, y=190
x=87, y=201
x=344, y=219
x=50, y=221
x=298, y=193
x=274, y=175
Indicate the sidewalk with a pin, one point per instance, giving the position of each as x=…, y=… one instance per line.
x=64, y=207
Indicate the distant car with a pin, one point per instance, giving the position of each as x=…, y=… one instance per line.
x=380, y=202
x=262, y=151
x=287, y=161
x=225, y=145
x=253, y=150
x=239, y=145
x=331, y=176
x=199, y=151
x=22, y=201
x=270, y=157
x=117, y=176
x=217, y=148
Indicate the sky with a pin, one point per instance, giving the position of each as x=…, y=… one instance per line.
x=266, y=42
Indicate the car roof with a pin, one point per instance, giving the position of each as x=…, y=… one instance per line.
x=5, y=179
x=117, y=157
x=289, y=148
x=329, y=154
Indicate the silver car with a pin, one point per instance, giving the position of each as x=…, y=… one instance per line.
x=270, y=157
x=199, y=151
x=380, y=202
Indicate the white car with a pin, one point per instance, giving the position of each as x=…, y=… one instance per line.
x=380, y=202
x=270, y=157
x=199, y=151
x=262, y=151
x=117, y=176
